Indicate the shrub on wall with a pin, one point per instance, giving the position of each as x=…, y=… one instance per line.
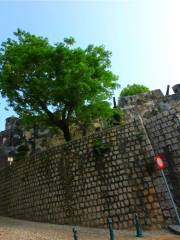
x=100, y=148
x=133, y=90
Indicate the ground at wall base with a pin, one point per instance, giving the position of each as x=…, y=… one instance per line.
x=13, y=229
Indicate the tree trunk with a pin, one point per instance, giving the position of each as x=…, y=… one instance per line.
x=64, y=126
x=66, y=132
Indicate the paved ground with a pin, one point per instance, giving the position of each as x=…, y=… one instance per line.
x=13, y=229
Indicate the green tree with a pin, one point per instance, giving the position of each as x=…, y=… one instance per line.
x=53, y=82
x=87, y=114
x=133, y=90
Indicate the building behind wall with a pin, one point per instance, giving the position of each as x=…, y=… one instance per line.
x=10, y=139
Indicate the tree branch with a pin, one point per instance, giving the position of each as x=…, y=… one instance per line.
x=70, y=111
x=49, y=113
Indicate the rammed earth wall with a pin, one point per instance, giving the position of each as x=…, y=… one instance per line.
x=74, y=184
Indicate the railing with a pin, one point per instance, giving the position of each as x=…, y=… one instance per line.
x=137, y=225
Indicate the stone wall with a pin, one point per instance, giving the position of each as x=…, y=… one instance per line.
x=149, y=104
x=146, y=104
x=107, y=174
x=163, y=131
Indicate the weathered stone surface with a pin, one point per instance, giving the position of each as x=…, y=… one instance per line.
x=73, y=184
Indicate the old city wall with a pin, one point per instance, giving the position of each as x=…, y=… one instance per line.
x=163, y=131
x=108, y=174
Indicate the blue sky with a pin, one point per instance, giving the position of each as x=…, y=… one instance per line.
x=143, y=35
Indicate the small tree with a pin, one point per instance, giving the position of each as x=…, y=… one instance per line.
x=117, y=117
x=53, y=82
x=133, y=90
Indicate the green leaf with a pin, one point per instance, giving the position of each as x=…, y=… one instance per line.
x=57, y=84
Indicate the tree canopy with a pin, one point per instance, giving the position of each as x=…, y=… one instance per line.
x=57, y=83
x=133, y=90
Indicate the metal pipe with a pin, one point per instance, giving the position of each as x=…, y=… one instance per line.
x=138, y=226
x=171, y=197
x=75, y=235
x=111, y=231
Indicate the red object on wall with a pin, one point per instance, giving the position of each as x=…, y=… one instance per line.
x=159, y=158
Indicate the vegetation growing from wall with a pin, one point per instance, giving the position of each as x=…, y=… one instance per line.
x=117, y=117
x=100, y=148
x=133, y=90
